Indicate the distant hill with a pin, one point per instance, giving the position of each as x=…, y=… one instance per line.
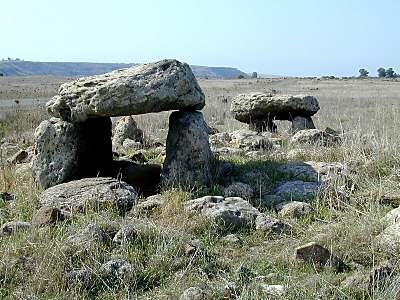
x=25, y=68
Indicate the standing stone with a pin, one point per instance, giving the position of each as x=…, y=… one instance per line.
x=189, y=160
x=57, y=152
x=160, y=86
x=300, y=123
x=126, y=128
x=66, y=151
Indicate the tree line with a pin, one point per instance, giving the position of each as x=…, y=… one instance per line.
x=382, y=73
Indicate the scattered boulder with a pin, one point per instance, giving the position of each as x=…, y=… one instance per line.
x=133, y=229
x=267, y=224
x=193, y=293
x=14, y=227
x=240, y=139
x=297, y=190
x=117, y=267
x=18, y=158
x=294, y=209
x=272, y=290
x=392, y=217
x=231, y=213
x=239, y=189
x=319, y=256
x=48, y=216
x=315, y=137
x=126, y=128
x=231, y=239
x=82, y=278
x=389, y=239
x=97, y=193
x=7, y=197
x=81, y=241
x=189, y=160
x=147, y=88
x=301, y=123
x=150, y=204
x=260, y=110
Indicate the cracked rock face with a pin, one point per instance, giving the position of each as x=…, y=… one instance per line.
x=154, y=87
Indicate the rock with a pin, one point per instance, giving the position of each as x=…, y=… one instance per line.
x=48, y=216
x=100, y=192
x=150, y=204
x=294, y=209
x=317, y=255
x=14, y=227
x=267, y=224
x=392, y=217
x=258, y=106
x=239, y=189
x=315, y=137
x=126, y=128
x=297, y=190
x=301, y=123
x=232, y=239
x=272, y=290
x=250, y=140
x=160, y=86
x=117, y=267
x=189, y=160
x=18, y=157
x=193, y=293
x=314, y=171
x=392, y=200
x=6, y=197
x=8, y=149
x=231, y=213
x=231, y=291
x=65, y=151
x=269, y=201
x=81, y=241
x=389, y=239
x=193, y=247
x=133, y=229
x=57, y=152
x=83, y=278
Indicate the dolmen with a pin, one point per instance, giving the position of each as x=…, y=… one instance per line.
x=259, y=110
x=76, y=142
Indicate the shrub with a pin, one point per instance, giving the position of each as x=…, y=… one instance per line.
x=363, y=73
x=381, y=72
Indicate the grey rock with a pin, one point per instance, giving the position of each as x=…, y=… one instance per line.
x=133, y=229
x=319, y=256
x=193, y=293
x=126, y=128
x=315, y=137
x=268, y=224
x=246, y=107
x=150, y=204
x=83, y=278
x=48, y=216
x=80, y=241
x=14, y=227
x=272, y=290
x=230, y=213
x=392, y=217
x=19, y=157
x=232, y=239
x=118, y=267
x=160, y=86
x=389, y=239
x=294, y=209
x=239, y=189
x=241, y=139
x=189, y=160
x=98, y=193
x=301, y=123
x=297, y=190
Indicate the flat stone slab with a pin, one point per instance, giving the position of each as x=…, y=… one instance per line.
x=253, y=106
x=154, y=87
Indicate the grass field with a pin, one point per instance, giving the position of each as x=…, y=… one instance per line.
x=34, y=263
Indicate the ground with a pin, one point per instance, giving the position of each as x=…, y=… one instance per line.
x=34, y=264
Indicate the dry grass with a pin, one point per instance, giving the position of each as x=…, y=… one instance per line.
x=33, y=266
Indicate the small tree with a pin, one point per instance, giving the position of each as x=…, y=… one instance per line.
x=254, y=75
x=240, y=76
x=381, y=72
x=390, y=73
x=363, y=73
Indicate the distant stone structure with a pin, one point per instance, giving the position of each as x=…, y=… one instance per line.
x=76, y=142
x=260, y=110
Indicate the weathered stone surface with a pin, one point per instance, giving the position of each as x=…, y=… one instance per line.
x=82, y=278
x=315, y=136
x=389, y=239
x=19, y=157
x=66, y=151
x=300, y=123
x=193, y=293
x=314, y=171
x=57, y=152
x=117, y=267
x=297, y=190
x=268, y=224
x=160, y=86
x=240, y=139
x=294, y=209
x=96, y=192
x=319, y=256
x=392, y=217
x=126, y=128
x=252, y=106
x=48, y=216
x=189, y=160
x=239, y=189
x=231, y=213
x=80, y=241
x=150, y=204
x=13, y=227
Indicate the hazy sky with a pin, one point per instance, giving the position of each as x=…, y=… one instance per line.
x=285, y=37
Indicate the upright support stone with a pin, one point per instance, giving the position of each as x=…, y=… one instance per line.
x=189, y=160
x=261, y=125
x=300, y=123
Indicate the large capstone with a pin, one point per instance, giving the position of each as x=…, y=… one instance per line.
x=161, y=86
x=66, y=151
x=260, y=110
x=189, y=160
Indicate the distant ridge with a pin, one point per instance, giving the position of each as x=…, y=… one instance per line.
x=26, y=68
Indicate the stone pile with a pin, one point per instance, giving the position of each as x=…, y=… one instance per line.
x=76, y=142
x=260, y=110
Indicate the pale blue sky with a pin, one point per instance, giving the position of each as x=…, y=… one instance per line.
x=286, y=37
